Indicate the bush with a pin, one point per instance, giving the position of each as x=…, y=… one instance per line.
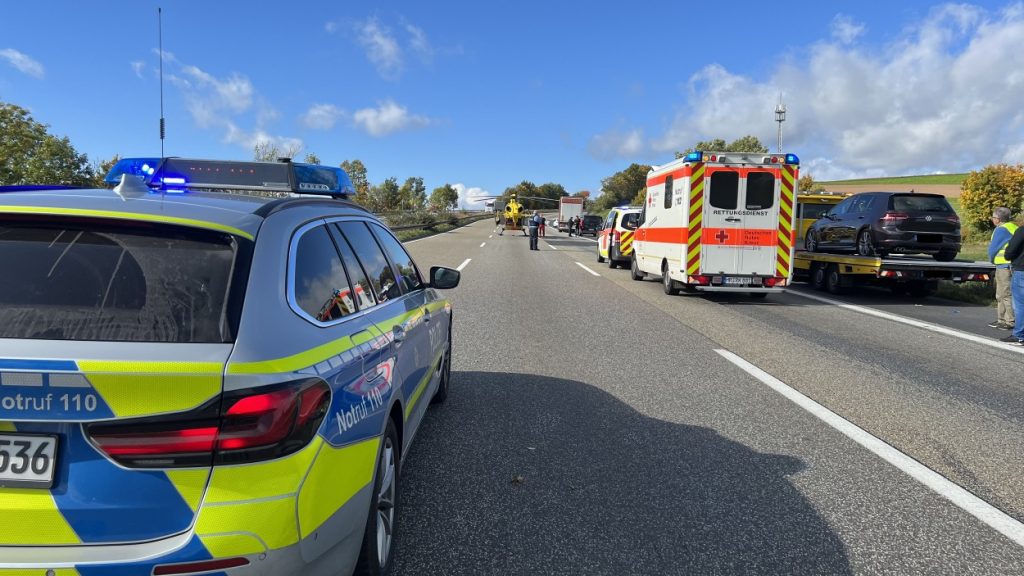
x=987, y=189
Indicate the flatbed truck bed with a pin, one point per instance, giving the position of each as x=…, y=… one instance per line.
x=918, y=275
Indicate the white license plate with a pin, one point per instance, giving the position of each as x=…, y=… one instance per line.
x=737, y=281
x=27, y=461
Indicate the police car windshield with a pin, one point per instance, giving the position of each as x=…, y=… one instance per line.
x=109, y=281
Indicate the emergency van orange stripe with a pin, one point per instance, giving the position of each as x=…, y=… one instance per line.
x=695, y=218
x=785, y=234
x=676, y=175
x=740, y=237
x=666, y=235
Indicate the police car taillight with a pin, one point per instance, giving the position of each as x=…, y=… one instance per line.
x=242, y=426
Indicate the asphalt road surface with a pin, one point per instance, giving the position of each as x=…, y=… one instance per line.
x=597, y=426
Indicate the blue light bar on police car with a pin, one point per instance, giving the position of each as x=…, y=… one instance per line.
x=181, y=174
x=144, y=168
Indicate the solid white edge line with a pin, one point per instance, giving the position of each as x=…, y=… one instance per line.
x=550, y=246
x=912, y=322
x=482, y=244
x=464, y=264
x=581, y=265
x=990, y=515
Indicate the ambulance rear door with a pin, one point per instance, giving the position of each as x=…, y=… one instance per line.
x=741, y=218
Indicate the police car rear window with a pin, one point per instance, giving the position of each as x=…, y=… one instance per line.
x=109, y=281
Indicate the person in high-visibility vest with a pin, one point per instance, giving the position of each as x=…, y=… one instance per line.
x=1004, y=275
x=1015, y=254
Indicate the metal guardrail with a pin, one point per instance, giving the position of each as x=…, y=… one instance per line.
x=429, y=225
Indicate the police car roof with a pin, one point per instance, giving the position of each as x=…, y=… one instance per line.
x=239, y=211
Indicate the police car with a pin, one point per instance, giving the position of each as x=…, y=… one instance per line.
x=195, y=381
x=615, y=241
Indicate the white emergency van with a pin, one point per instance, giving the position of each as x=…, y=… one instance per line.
x=719, y=221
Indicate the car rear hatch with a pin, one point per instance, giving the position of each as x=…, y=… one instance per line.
x=928, y=216
x=113, y=339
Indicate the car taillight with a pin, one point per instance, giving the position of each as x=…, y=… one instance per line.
x=700, y=280
x=953, y=219
x=252, y=425
x=617, y=236
x=893, y=218
x=773, y=282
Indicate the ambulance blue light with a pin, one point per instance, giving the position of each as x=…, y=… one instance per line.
x=142, y=167
x=694, y=156
x=792, y=159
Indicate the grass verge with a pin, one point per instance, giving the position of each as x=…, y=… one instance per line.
x=416, y=233
x=983, y=293
x=928, y=179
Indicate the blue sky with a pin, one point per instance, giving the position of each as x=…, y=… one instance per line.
x=486, y=94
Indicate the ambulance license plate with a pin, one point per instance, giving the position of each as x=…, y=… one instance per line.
x=736, y=281
x=27, y=461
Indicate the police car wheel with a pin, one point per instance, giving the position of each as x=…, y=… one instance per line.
x=446, y=374
x=378, y=538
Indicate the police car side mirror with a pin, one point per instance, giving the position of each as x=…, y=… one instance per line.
x=444, y=278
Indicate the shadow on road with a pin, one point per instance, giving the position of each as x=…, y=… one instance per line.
x=522, y=474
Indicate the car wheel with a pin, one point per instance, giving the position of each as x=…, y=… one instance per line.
x=612, y=262
x=864, y=245
x=817, y=276
x=811, y=241
x=378, y=539
x=667, y=283
x=635, y=272
x=600, y=259
x=833, y=281
x=946, y=255
x=446, y=373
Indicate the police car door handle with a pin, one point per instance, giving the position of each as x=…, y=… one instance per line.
x=732, y=219
x=399, y=333
x=426, y=315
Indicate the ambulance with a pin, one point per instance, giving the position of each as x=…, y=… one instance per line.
x=719, y=221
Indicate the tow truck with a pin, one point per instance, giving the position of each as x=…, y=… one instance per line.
x=917, y=275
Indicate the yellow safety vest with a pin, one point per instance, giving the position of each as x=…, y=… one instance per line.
x=1001, y=255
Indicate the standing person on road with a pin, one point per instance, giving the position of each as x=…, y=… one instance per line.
x=1004, y=275
x=543, y=225
x=534, y=225
x=1015, y=254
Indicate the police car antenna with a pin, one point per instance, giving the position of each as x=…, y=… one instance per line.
x=160, y=37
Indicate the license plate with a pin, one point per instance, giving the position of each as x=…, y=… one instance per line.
x=27, y=461
x=736, y=281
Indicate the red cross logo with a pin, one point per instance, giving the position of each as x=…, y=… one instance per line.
x=722, y=236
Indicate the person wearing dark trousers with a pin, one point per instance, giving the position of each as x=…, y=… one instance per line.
x=1015, y=254
x=534, y=226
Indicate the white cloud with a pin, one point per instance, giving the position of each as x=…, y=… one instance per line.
x=845, y=29
x=944, y=94
x=389, y=117
x=381, y=48
x=331, y=27
x=616, y=144
x=472, y=197
x=322, y=116
x=23, y=62
x=419, y=43
x=138, y=67
x=229, y=104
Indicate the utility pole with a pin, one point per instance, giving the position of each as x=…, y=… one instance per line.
x=780, y=117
